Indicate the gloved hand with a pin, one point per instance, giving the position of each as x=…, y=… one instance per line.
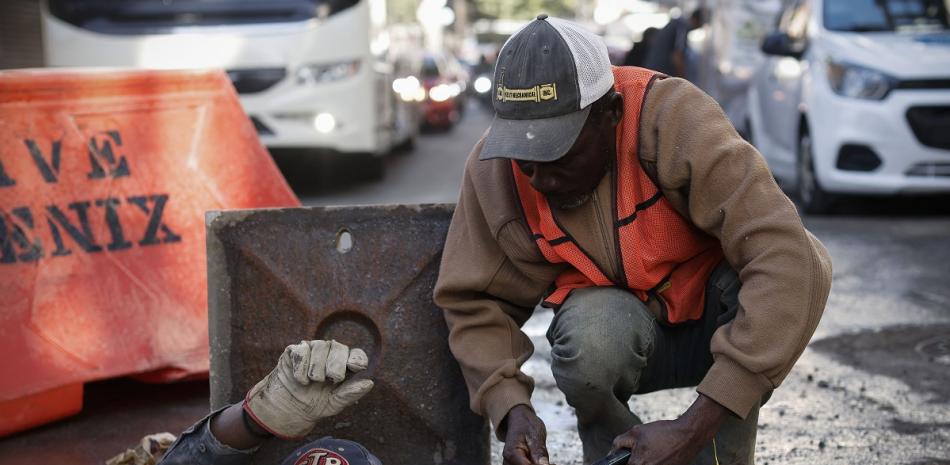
x=306, y=385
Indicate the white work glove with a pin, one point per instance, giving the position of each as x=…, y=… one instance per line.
x=307, y=385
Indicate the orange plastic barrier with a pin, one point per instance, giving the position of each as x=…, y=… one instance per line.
x=104, y=181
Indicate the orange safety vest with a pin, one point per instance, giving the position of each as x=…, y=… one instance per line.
x=663, y=254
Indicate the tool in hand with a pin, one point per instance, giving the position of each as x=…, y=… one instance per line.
x=617, y=457
x=621, y=456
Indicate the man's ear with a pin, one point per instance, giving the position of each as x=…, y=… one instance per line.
x=615, y=108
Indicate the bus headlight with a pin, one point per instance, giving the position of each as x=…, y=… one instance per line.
x=313, y=74
x=324, y=123
x=857, y=81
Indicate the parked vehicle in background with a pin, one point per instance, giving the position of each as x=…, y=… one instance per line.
x=855, y=98
x=311, y=74
x=732, y=53
x=462, y=74
x=444, y=86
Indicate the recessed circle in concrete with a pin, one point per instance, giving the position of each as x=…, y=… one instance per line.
x=355, y=330
x=344, y=241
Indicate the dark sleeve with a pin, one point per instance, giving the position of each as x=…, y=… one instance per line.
x=197, y=446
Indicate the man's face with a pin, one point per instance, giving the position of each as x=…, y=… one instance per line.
x=569, y=181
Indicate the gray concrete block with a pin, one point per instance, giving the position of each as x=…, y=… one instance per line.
x=363, y=276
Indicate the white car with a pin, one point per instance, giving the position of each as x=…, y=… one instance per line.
x=854, y=98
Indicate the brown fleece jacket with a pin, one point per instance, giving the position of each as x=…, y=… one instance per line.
x=492, y=275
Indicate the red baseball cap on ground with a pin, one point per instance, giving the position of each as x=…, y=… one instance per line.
x=331, y=451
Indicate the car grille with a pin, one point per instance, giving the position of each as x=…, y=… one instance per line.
x=931, y=125
x=252, y=80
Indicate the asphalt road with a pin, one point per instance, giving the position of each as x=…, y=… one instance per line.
x=430, y=173
x=873, y=386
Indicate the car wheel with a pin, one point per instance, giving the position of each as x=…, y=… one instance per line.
x=811, y=197
x=406, y=147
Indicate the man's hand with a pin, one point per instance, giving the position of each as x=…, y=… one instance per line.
x=665, y=442
x=674, y=442
x=525, y=442
x=306, y=385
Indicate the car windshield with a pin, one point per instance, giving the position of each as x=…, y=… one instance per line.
x=885, y=15
x=430, y=68
x=144, y=16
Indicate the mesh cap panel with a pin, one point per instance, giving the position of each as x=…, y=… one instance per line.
x=594, y=74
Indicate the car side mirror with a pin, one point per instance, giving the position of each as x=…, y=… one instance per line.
x=779, y=43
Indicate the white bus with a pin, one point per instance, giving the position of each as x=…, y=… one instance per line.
x=310, y=73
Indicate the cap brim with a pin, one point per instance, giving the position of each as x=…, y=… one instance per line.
x=542, y=140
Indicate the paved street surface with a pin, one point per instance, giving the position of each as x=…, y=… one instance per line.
x=429, y=174
x=873, y=387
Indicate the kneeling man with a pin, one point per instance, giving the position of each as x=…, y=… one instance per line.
x=624, y=200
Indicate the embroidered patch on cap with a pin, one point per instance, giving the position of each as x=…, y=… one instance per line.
x=532, y=94
x=321, y=457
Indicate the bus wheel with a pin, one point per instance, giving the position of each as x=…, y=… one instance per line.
x=372, y=167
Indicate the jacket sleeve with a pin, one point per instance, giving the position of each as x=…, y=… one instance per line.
x=724, y=186
x=198, y=446
x=490, y=279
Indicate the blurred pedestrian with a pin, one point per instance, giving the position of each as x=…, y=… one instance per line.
x=624, y=200
x=309, y=383
x=484, y=65
x=638, y=52
x=669, y=51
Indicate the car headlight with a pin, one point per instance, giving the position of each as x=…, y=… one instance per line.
x=443, y=92
x=312, y=74
x=409, y=89
x=858, y=82
x=482, y=84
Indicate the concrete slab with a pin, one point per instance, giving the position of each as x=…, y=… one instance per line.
x=360, y=275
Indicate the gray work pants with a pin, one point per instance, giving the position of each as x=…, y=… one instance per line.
x=606, y=346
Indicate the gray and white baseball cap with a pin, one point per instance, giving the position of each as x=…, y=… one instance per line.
x=546, y=77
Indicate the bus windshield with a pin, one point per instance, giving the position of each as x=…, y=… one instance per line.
x=885, y=15
x=156, y=16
